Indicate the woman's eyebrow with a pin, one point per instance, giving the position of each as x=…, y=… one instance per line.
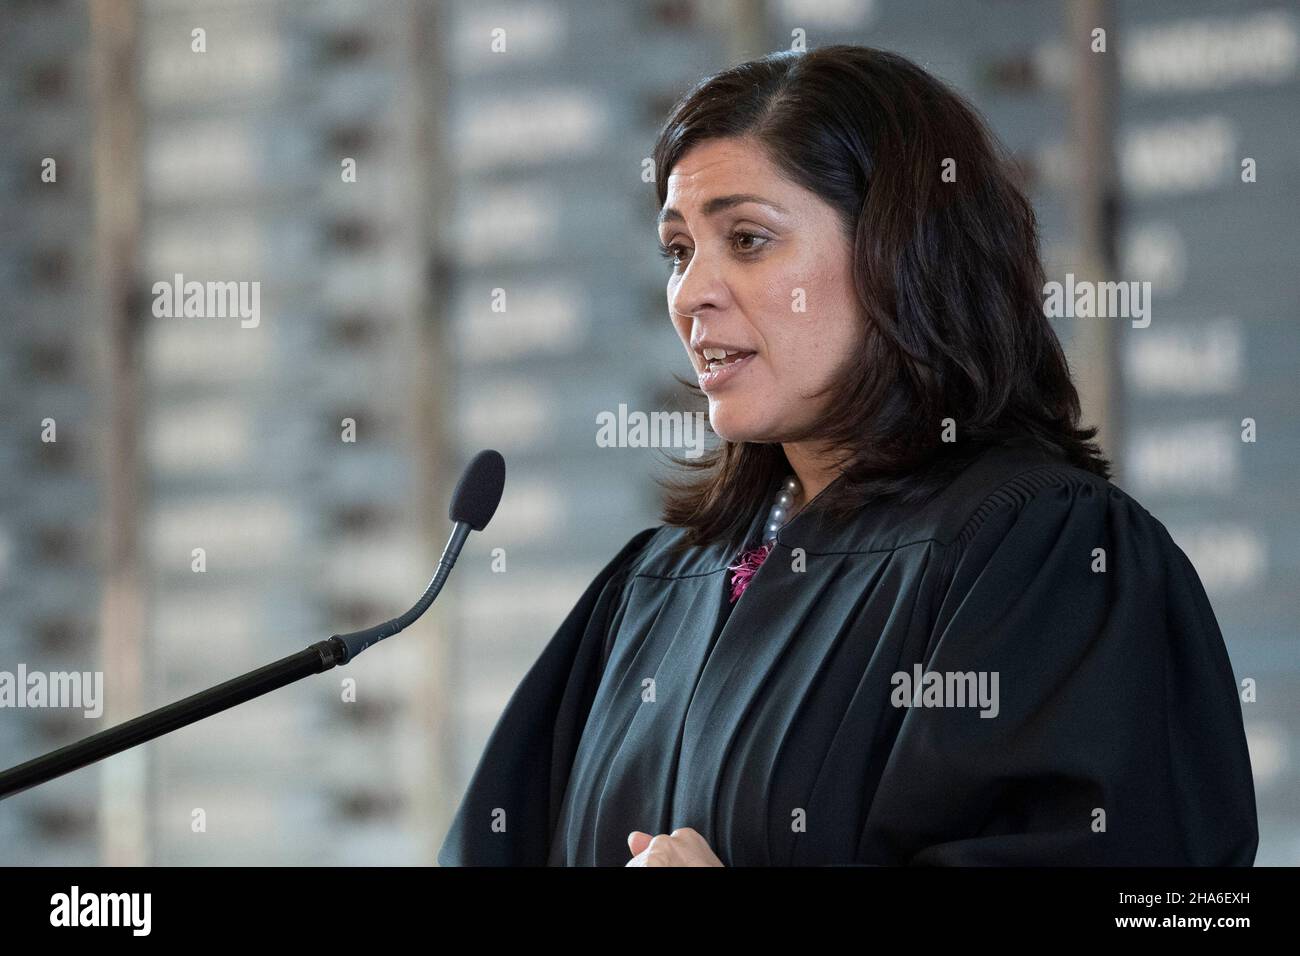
x=716, y=205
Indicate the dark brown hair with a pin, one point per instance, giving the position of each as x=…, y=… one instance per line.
x=947, y=274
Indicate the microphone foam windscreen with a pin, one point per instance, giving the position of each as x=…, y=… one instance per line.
x=479, y=490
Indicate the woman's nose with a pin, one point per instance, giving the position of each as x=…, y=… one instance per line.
x=699, y=286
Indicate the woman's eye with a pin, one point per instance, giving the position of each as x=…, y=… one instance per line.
x=744, y=242
x=671, y=253
x=740, y=237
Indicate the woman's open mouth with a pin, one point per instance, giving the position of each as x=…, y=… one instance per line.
x=723, y=365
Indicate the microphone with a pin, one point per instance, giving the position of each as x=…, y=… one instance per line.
x=478, y=492
x=473, y=504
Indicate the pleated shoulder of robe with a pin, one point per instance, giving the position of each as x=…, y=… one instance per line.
x=1023, y=670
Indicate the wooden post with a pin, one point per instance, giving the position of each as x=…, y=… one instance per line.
x=432, y=438
x=747, y=30
x=1095, y=206
x=123, y=831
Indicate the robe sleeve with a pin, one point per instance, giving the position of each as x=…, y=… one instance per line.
x=1118, y=738
x=510, y=809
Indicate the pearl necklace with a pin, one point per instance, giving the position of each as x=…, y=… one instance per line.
x=749, y=562
x=780, y=513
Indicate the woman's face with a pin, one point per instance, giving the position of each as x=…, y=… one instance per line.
x=760, y=267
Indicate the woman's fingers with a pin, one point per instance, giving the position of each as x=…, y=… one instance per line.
x=683, y=847
x=637, y=841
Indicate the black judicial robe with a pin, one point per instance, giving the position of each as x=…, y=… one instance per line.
x=775, y=726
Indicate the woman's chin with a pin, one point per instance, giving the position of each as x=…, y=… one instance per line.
x=733, y=426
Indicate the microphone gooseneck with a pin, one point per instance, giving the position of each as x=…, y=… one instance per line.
x=473, y=504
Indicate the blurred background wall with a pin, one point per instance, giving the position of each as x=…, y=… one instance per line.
x=444, y=208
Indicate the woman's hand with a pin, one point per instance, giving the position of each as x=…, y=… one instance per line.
x=682, y=847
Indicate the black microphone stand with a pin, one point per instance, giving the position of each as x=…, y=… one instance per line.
x=473, y=503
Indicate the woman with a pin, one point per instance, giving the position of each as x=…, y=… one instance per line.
x=901, y=616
